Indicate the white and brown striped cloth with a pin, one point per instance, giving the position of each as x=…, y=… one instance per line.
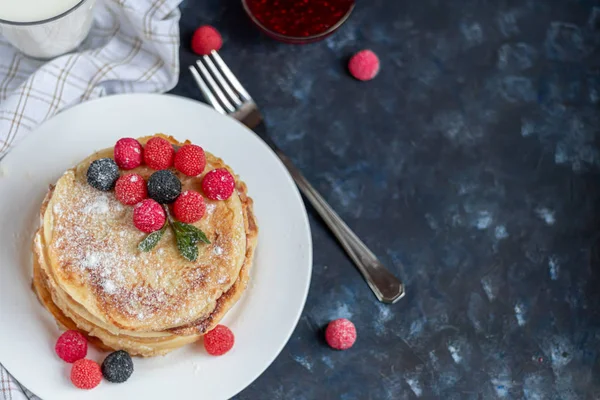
x=133, y=47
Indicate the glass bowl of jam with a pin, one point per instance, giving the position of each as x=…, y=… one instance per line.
x=298, y=21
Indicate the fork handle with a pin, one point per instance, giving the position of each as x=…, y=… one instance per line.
x=382, y=282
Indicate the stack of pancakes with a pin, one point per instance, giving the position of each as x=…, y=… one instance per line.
x=89, y=273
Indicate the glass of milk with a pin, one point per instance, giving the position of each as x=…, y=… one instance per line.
x=45, y=28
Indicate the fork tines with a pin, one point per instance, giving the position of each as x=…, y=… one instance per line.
x=218, y=84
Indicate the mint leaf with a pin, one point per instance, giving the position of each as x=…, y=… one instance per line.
x=152, y=239
x=196, y=234
x=187, y=247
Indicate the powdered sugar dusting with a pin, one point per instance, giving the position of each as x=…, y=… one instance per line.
x=218, y=250
x=210, y=208
x=99, y=206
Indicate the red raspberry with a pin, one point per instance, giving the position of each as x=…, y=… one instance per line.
x=364, y=65
x=189, y=207
x=86, y=374
x=71, y=346
x=340, y=334
x=218, y=184
x=130, y=189
x=128, y=153
x=158, y=153
x=148, y=216
x=219, y=341
x=205, y=39
x=190, y=160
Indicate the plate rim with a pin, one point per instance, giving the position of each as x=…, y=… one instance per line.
x=304, y=215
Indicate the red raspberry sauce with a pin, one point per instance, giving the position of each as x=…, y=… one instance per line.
x=299, y=18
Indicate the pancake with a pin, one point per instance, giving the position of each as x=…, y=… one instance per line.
x=90, y=275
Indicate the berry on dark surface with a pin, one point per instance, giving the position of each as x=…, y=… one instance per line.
x=219, y=341
x=102, y=174
x=218, y=184
x=190, y=160
x=128, y=153
x=148, y=216
x=86, y=374
x=130, y=189
x=117, y=367
x=159, y=153
x=164, y=186
x=340, y=334
x=205, y=39
x=364, y=65
x=71, y=346
x=189, y=207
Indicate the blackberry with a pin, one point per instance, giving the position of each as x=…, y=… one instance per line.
x=102, y=174
x=117, y=366
x=164, y=186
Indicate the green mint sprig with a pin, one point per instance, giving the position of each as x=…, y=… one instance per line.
x=187, y=236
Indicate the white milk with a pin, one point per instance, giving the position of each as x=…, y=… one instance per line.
x=45, y=28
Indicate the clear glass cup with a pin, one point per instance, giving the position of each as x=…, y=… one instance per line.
x=53, y=36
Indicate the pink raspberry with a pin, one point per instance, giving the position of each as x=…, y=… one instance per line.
x=190, y=160
x=128, y=153
x=148, y=216
x=364, y=65
x=218, y=184
x=219, y=341
x=158, y=153
x=130, y=189
x=205, y=39
x=189, y=207
x=340, y=334
x=71, y=346
x=86, y=374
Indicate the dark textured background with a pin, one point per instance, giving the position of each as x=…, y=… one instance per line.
x=469, y=165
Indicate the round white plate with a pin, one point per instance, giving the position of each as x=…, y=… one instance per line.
x=262, y=321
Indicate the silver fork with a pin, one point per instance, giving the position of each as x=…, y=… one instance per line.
x=226, y=94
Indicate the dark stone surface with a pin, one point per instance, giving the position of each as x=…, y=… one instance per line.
x=469, y=165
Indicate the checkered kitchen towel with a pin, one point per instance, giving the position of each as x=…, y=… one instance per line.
x=133, y=47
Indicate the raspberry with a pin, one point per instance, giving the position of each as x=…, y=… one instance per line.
x=218, y=184
x=190, y=160
x=130, y=189
x=205, y=39
x=86, y=374
x=148, y=216
x=219, y=341
x=340, y=334
x=102, y=174
x=128, y=153
x=71, y=346
x=364, y=65
x=158, y=153
x=189, y=207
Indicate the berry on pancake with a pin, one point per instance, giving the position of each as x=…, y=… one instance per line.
x=102, y=174
x=158, y=153
x=148, y=216
x=190, y=160
x=130, y=189
x=128, y=153
x=164, y=186
x=218, y=184
x=189, y=207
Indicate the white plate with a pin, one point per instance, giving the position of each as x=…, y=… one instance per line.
x=262, y=321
